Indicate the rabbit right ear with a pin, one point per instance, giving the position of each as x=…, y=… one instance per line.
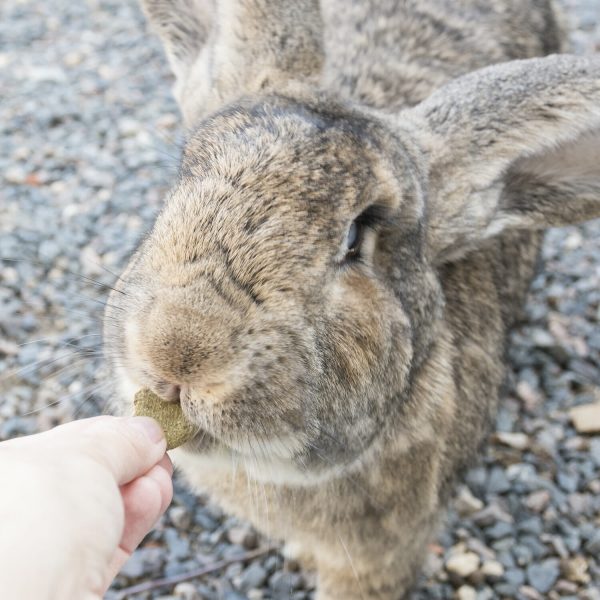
x=512, y=146
x=222, y=49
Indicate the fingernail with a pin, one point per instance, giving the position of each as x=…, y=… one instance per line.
x=150, y=427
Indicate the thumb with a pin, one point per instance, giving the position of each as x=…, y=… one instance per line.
x=127, y=446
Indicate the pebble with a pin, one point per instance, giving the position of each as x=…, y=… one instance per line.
x=529, y=593
x=538, y=501
x=466, y=503
x=181, y=517
x=595, y=451
x=498, y=482
x=586, y=418
x=243, y=536
x=463, y=564
x=233, y=595
x=282, y=583
x=565, y=588
x=144, y=562
x=542, y=576
x=492, y=569
x=186, y=591
x=499, y=530
x=490, y=514
x=519, y=441
x=592, y=546
x=466, y=592
x=575, y=569
x=253, y=577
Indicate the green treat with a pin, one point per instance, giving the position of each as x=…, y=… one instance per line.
x=178, y=430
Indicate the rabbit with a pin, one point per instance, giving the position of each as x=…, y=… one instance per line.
x=328, y=288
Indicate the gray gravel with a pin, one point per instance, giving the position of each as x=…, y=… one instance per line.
x=89, y=142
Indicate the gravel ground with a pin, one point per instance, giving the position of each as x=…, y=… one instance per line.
x=89, y=142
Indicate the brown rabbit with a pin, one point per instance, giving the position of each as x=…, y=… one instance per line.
x=328, y=288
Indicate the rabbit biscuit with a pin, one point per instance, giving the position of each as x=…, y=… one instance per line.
x=178, y=430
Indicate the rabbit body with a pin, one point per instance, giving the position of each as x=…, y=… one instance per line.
x=338, y=398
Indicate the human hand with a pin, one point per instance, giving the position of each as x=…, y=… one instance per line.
x=75, y=502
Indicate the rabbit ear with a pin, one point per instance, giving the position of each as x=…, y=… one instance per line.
x=516, y=145
x=183, y=27
x=222, y=49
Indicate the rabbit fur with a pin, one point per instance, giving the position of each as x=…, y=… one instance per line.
x=329, y=285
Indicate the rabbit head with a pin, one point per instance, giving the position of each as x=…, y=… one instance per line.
x=289, y=290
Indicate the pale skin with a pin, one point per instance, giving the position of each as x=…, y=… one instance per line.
x=76, y=501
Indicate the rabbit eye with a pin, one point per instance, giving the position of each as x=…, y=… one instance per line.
x=372, y=218
x=353, y=239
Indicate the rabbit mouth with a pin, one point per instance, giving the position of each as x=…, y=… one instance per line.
x=245, y=441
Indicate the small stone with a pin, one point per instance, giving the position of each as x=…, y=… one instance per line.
x=181, y=517
x=579, y=503
x=499, y=530
x=586, y=418
x=594, y=487
x=144, y=561
x=178, y=546
x=531, y=398
x=593, y=544
x=519, y=441
x=48, y=251
x=463, y=564
x=492, y=569
x=8, y=348
x=187, y=591
x=466, y=592
x=577, y=444
x=530, y=593
x=542, y=576
x=253, y=577
x=433, y=565
x=595, y=451
x=515, y=577
x=283, y=583
x=565, y=588
x=233, y=595
x=481, y=549
x=497, y=482
x=490, y=514
x=560, y=548
x=575, y=569
x=243, y=536
x=15, y=175
x=568, y=481
x=538, y=501
x=466, y=503
x=532, y=526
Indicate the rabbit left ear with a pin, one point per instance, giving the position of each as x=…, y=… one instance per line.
x=515, y=145
x=223, y=49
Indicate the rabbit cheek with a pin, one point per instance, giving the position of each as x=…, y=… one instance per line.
x=365, y=326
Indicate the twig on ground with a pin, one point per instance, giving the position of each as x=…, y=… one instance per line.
x=205, y=570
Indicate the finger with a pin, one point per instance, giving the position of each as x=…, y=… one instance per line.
x=166, y=463
x=145, y=500
x=128, y=447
